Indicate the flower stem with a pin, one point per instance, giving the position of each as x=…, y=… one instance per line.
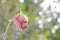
x=7, y=29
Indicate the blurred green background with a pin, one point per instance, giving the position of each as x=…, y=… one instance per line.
x=9, y=8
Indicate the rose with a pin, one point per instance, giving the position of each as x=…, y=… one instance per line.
x=21, y=21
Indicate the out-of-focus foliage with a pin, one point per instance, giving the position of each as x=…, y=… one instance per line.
x=31, y=8
x=50, y=18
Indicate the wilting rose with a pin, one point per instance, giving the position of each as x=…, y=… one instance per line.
x=21, y=21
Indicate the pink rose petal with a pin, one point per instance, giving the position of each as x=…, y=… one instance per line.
x=21, y=21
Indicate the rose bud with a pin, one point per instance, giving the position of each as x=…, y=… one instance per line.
x=21, y=21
